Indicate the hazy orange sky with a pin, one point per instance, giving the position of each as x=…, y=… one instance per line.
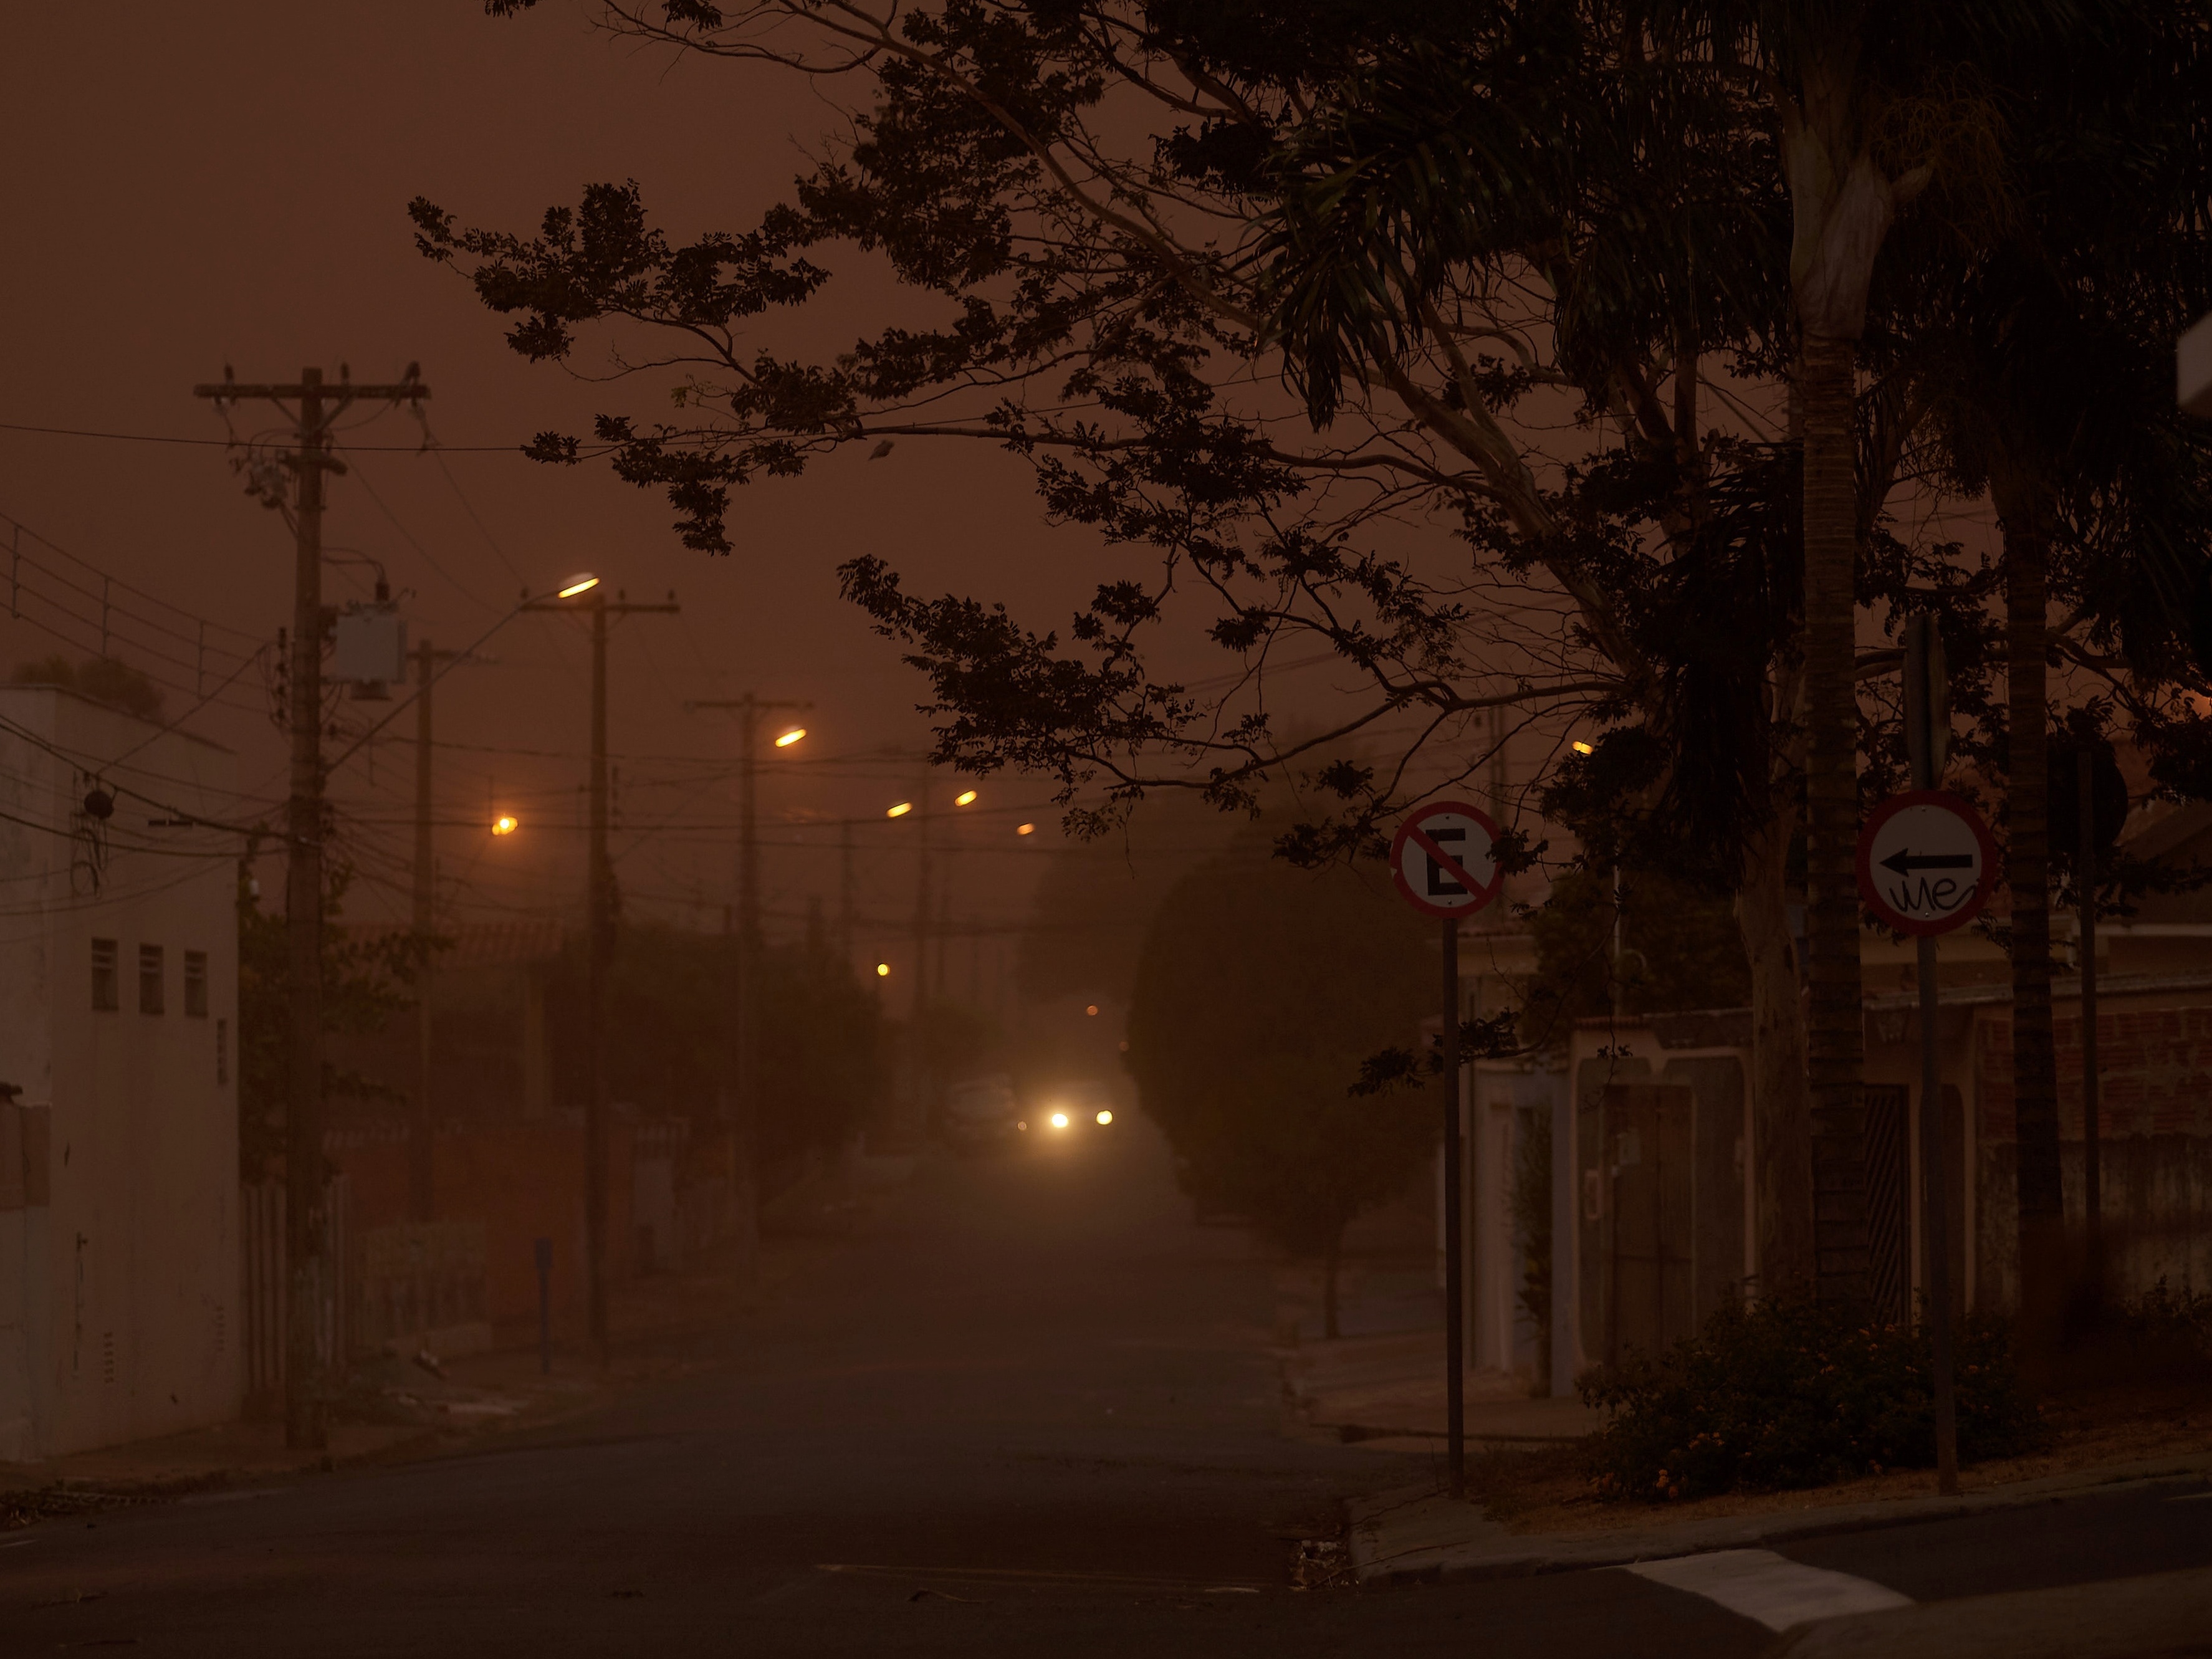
x=191, y=187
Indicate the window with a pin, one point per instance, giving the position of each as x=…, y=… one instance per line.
x=149, y=979
x=195, y=984
x=107, y=993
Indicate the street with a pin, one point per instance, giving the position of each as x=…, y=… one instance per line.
x=1025, y=1407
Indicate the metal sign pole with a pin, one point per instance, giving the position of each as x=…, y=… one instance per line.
x=1455, y=1335
x=1444, y=862
x=1927, y=724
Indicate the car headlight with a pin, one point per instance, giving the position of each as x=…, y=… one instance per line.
x=1105, y=1118
x=1060, y=1119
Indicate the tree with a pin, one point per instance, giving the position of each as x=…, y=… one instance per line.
x=1261, y=990
x=2044, y=359
x=1124, y=212
x=368, y=977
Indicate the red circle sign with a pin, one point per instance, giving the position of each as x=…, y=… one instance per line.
x=1444, y=859
x=1925, y=862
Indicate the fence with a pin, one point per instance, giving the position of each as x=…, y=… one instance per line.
x=413, y=1279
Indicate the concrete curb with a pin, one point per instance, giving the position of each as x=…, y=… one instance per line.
x=1418, y=1535
x=2152, y=1617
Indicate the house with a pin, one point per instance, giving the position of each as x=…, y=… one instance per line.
x=1654, y=1143
x=120, y=1256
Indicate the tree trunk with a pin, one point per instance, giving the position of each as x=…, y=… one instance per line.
x=2028, y=874
x=1835, y=1027
x=1782, y=1141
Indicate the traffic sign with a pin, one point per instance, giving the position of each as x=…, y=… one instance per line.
x=1925, y=862
x=1444, y=859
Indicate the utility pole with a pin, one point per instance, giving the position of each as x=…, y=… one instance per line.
x=317, y=407
x=599, y=911
x=745, y=1130
x=422, y=1169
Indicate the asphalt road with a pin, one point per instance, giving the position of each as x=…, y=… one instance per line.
x=1024, y=1409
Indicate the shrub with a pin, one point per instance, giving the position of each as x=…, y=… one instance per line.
x=1793, y=1394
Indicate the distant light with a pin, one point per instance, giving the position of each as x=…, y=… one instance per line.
x=1023, y=1127
x=1025, y=830
x=965, y=798
x=883, y=970
x=1060, y=1119
x=901, y=810
x=583, y=582
x=791, y=737
x=1092, y=1011
x=505, y=824
x=1583, y=749
x=1105, y=1118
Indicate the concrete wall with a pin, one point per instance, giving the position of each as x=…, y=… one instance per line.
x=118, y=1294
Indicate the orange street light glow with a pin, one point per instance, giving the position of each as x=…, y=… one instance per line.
x=1091, y=1010
x=791, y=737
x=1025, y=830
x=965, y=798
x=883, y=970
x=901, y=810
x=583, y=583
x=1582, y=748
x=505, y=824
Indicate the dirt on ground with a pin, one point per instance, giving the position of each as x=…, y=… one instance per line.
x=1548, y=1490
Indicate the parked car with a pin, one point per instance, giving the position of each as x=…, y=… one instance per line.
x=981, y=1114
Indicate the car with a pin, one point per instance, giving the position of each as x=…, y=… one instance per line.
x=1066, y=1110
x=981, y=1114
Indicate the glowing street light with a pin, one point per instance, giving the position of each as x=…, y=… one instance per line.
x=505, y=824
x=582, y=582
x=1582, y=748
x=791, y=737
x=883, y=970
x=900, y=810
x=1025, y=829
x=965, y=798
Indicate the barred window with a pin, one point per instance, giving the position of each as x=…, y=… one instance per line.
x=195, y=984
x=106, y=992
x=149, y=979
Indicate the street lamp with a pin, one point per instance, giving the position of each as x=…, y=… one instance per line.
x=1025, y=829
x=965, y=798
x=505, y=824
x=899, y=811
x=791, y=737
x=883, y=970
x=582, y=582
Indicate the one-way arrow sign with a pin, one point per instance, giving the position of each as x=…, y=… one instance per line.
x=1924, y=862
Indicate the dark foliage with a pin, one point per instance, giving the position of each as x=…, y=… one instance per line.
x=1796, y=1394
x=368, y=976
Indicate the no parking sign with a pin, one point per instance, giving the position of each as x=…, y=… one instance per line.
x=1444, y=859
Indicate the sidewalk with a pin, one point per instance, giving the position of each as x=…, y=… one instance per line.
x=1381, y=1385
x=1418, y=1534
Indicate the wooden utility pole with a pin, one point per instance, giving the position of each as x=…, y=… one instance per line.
x=600, y=912
x=315, y=408
x=745, y=1129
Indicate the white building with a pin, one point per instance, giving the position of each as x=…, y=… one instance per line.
x=119, y=1254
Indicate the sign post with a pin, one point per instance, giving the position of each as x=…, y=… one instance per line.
x=1444, y=860
x=1924, y=863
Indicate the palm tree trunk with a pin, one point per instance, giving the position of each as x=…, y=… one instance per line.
x=1782, y=1141
x=2027, y=874
x=1835, y=1025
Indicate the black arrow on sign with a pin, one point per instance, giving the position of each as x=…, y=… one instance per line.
x=1904, y=861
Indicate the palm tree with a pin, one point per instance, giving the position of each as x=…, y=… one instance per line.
x=2048, y=366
